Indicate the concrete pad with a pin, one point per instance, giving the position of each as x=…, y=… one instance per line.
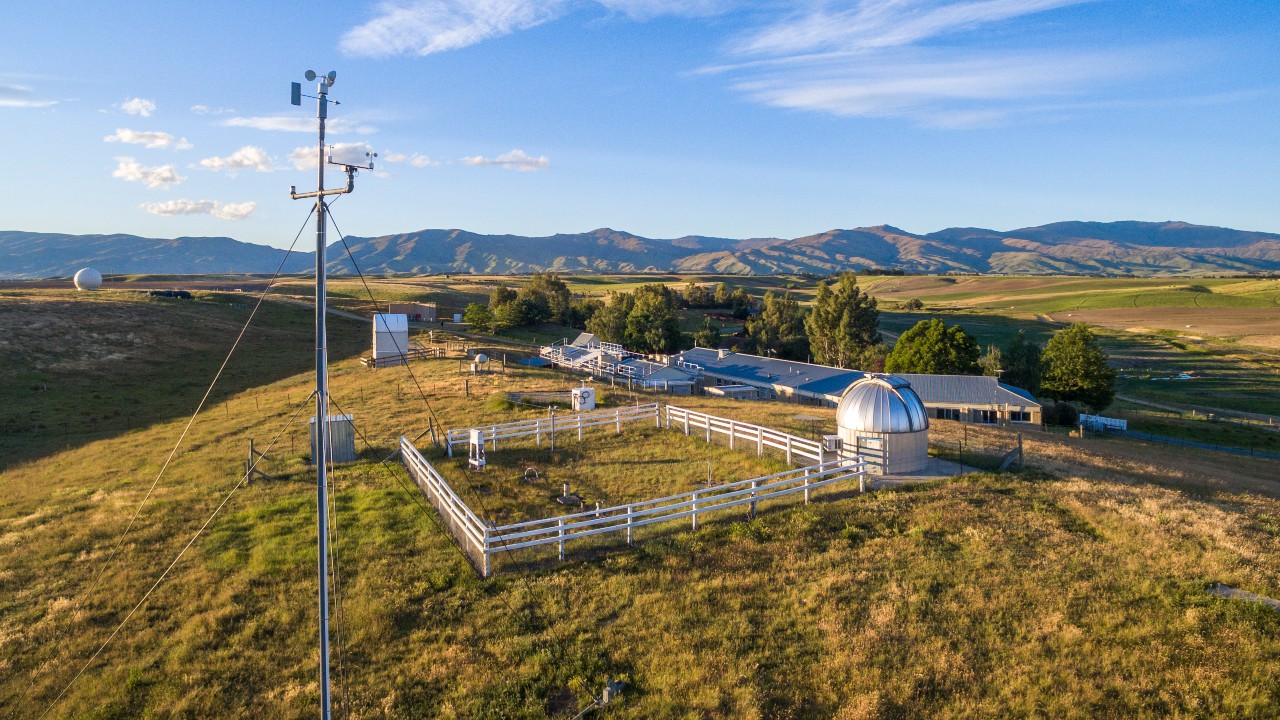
x=936, y=468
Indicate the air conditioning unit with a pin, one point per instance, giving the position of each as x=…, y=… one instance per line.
x=832, y=443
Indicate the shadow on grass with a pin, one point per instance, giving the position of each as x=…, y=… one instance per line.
x=81, y=371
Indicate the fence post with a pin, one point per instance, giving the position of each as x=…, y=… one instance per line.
x=448, y=444
x=617, y=414
x=733, y=432
x=553, y=427
x=537, y=431
x=707, y=420
x=560, y=535
x=806, y=486
x=686, y=422
x=657, y=417
x=494, y=429
x=759, y=441
x=485, y=550
x=695, y=511
x=629, y=524
x=754, y=483
x=789, y=449
x=579, y=426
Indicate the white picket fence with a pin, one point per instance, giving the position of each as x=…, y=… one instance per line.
x=482, y=541
x=471, y=534
x=756, y=436
x=552, y=424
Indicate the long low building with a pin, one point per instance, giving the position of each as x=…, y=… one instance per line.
x=967, y=398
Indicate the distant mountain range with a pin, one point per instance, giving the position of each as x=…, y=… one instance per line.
x=1140, y=248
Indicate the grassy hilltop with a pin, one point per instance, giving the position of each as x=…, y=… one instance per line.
x=1075, y=588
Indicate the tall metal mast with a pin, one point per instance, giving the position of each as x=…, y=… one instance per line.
x=320, y=450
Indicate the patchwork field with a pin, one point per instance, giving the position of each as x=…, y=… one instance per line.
x=1075, y=588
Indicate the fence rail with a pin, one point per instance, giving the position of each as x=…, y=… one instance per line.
x=552, y=424
x=466, y=528
x=761, y=437
x=693, y=505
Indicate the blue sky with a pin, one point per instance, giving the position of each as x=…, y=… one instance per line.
x=660, y=117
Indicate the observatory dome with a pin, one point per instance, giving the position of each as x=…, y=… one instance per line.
x=881, y=404
x=88, y=279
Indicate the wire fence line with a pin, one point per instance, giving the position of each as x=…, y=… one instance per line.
x=483, y=540
x=1200, y=445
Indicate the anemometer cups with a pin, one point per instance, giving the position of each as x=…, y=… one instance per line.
x=328, y=79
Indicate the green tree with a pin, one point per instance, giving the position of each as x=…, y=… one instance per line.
x=721, y=296
x=991, y=361
x=500, y=295
x=740, y=303
x=549, y=298
x=479, y=317
x=581, y=311
x=931, y=347
x=609, y=323
x=778, y=330
x=844, y=322
x=653, y=325
x=1021, y=364
x=707, y=336
x=1075, y=369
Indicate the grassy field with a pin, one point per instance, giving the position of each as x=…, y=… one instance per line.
x=1075, y=588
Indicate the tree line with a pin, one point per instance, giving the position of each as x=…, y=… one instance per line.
x=841, y=329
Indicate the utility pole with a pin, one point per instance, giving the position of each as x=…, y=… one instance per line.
x=320, y=449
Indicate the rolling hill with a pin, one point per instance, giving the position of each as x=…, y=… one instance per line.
x=1130, y=247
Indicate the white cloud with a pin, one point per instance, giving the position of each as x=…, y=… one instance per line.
x=138, y=106
x=150, y=138
x=423, y=27
x=416, y=159
x=206, y=110
x=290, y=123
x=515, y=160
x=224, y=211
x=161, y=177
x=943, y=92
x=874, y=58
x=21, y=96
x=431, y=26
x=248, y=157
x=871, y=24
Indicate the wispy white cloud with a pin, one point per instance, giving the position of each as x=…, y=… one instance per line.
x=150, y=138
x=224, y=211
x=293, y=123
x=249, y=157
x=877, y=58
x=424, y=27
x=162, y=176
x=137, y=106
x=21, y=96
x=431, y=26
x=206, y=110
x=871, y=24
x=514, y=160
x=937, y=90
x=415, y=159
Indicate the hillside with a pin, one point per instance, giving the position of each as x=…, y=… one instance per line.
x=1075, y=588
x=1140, y=248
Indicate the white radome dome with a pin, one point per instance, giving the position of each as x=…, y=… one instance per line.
x=481, y=359
x=881, y=404
x=88, y=279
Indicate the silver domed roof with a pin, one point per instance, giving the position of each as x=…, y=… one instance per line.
x=881, y=404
